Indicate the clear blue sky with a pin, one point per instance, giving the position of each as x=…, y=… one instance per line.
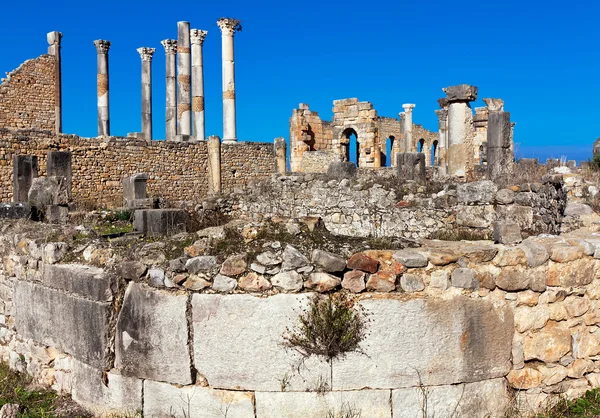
x=542, y=58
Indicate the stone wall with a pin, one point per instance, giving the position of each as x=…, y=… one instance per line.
x=178, y=171
x=460, y=320
x=375, y=205
x=27, y=95
x=318, y=161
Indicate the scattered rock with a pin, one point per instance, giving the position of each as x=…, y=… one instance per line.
x=178, y=265
x=130, y=270
x=259, y=268
x=411, y=258
x=412, y=283
x=525, y=378
x=363, y=262
x=322, y=282
x=201, y=263
x=292, y=259
x=156, y=276
x=507, y=232
x=288, y=281
x=223, y=283
x=464, y=278
x=269, y=258
x=328, y=262
x=234, y=265
x=440, y=279
x=382, y=282
x=354, y=281
x=195, y=282
x=253, y=282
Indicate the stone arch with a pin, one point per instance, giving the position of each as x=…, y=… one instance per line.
x=421, y=145
x=387, y=157
x=347, y=143
x=434, y=152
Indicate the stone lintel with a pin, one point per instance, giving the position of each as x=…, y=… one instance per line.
x=461, y=93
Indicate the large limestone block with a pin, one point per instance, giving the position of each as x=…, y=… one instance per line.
x=238, y=342
x=89, y=282
x=575, y=273
x=364, y=403
x=152, y=337
x=117, y=395
x=72, y=324
x=476, y=192
x=418, y=337
x=165, y=400
x=488, y=398
x=475, y=216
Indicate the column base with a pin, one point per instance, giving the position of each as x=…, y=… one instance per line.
x=230, y=140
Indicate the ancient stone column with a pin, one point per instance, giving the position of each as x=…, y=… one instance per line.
x=460, y=151
x=228, y=28
x=102, y=48
x=500, y=156
x=59, y=164
x=280, y=151
x=54, y=50
x=408, y=127
x=197, y=39
x=146, y=55
x=184, y=116
x=214, y=164
x=25, y=169
x=442, y=115
x=170, y=46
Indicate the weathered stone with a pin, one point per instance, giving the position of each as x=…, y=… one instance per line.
x=234, y=265
x=70, y=323
x=411, y=258
x=579, y=367
x=339, y=170
x=536, y=253
x=354, y=281
x=151, y=336
x=223, y=283
x=464, y=278
x=364, y=403
x=165, y=400
x=527, y=298
x=577, y=209
x=130, y=270
x=410, y=166
x=258, y=268
x=576, y=306
x=292, y=259
x=575, y=273
x=89, y=282
x=440, y=279
x=10, y=410
x=507, y=232
x=382, y=282
x=25, y=169
x=159, y=222
x=178, y=265
x=548, y=344
x=54, y=252
x=15, y=211
x=201, y=263
x=476, y=192
x=58, y=215
x=461, y=93
x=412, y=283
x=328, y=262
x=58, y=165
x=505, y=196
x=525, y=378
x=558, y=312
x=386, y=261
x=441, y=257
x=552, y=295
x=253, y=282
x=509, y=256
x=552, y=374
x=105, y=393
x=288, y=281
x=44, y=192
x=269, y=258
x=564, y=253
x=585, y=344
x=322, y=282
x=531, y=318
x=363, y=262
x=195, y=282
x=156, y=276
x=475, y=216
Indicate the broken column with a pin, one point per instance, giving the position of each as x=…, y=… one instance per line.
x=411, y=166
x=460, y=129
x=146, y=55
x=500, y=157
x=170, y=46
x=59, y=165
x=134, y=192
x=184, y=116
x=54, y=50
x=197, y=39
x=442, y=115
x=407, y=127
x=228, y=28
x=214, y=164
x=280, y=151
x=102, y=48
x=25, y=169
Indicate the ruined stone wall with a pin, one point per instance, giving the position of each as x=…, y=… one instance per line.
x=178, y=171
x=307, y=133
x=318, y=161
x=366, y=207
x=27, y=95
x=429, y=138
x=389, y=129
x=460, y=320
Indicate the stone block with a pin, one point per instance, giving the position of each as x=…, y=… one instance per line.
x=15, y=211
x=499, y=133
x=411, y=258
x=486, y=399
x=134, y=189
x=77, y=326
x=461, y=93
x=328, y=262
x=477, y=192
x=165, y=400
x=152, y=336
x=364, y=403
x=475, y=216
x=158, y=222
x=507, y=232
x=339, y=170
x=56, y=214
x=105, y=394
x=59, y=165
x=81, y=280
x=25, y=169
x=411, y=166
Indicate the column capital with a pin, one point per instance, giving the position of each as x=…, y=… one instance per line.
x=461, y=93
x=494, y=105
x=54, y=38
x=146, y=53
x=443, y=102
x=170, y=45
x=102, y=46
x=229, y=26
x=408, y=107
x=197, y=36
x=442, y=114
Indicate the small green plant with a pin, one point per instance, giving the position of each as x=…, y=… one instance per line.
x=588, y=406
x=594, y=163
x=346, y=411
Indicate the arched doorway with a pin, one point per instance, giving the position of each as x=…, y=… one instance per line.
x=420, y=145
x=351, y=146
x=388, y=158
x=434, y=153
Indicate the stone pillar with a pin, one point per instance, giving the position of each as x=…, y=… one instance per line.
x=54, y=50
x=214, y=164
x=102, y=48
x=170, y=46
x=442, y=115
x=146, y=55
x=410, y=166
x=59, y=165
x=460, y=152
x=228, y=28
x=409, y=146
x=197, y=39
x=25, y=168
x=500, y=157
x=184, y=116
x=280, y=153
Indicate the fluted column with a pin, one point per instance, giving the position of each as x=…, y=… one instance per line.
x=170, y=46
x=102, y=48
x=408, y=127
x=54, y=50
x=228, y=28
x=146, y=55
x=184, y=116
x=197, y=38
